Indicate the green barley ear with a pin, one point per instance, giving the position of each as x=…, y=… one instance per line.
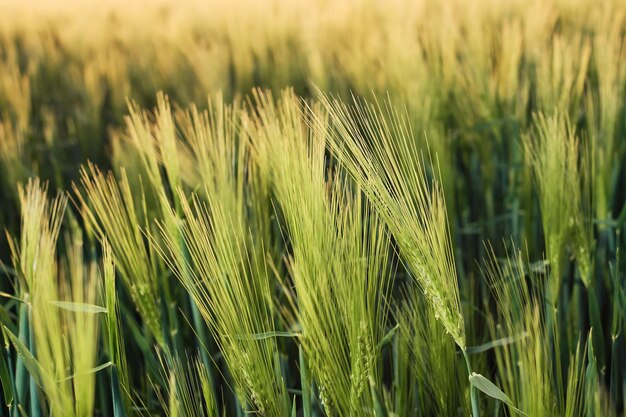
x=340, y=255
x=552, y=152
x=108, y=205
x=188, y=392
x=537, y=381
x=215, y=243
x=229, y=282
x=34, y=256
x=431, y=358
x=154, y=138
x=375, y=144
x=40, y=225
x=524, y=368
x=63, y=314
x=79, y=288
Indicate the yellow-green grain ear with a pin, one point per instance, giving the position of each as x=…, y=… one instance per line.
x=187, y=388
x=109, y=206
x=554, y=156
x=339, y=263
x=215, y=242
x=374, y=143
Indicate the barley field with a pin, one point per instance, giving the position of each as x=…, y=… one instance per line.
x=290, y=208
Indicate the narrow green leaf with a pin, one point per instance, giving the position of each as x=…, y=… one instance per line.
x=12, y=297
x=5, y=378
x=495, y=343
x=388, y=337
x=21, y=384
x=8, y=270
x=79, y=307
x=379, y=407
x=487, y=387
x=31, y=364
x=591, y=377
x=598, y=336
x=91, y=371
x=266, y=335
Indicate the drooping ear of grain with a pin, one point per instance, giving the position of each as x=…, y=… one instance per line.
x=375, y=144
x=339, y=264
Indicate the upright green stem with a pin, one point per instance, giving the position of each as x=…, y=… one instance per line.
x=304, y=383
x=200, y=328
x=20, y=368
x=116, y=393
x=473, y=396
x=35, y=408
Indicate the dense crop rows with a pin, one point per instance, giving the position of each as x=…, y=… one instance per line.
x=312, y=208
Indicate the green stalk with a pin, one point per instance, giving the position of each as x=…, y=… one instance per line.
x=20, y=369
x=116, y=392
x=305, y=384
x=581, y=293
x=473, y=396
x=200, y=328
x=35, y=408
x=595, y=318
